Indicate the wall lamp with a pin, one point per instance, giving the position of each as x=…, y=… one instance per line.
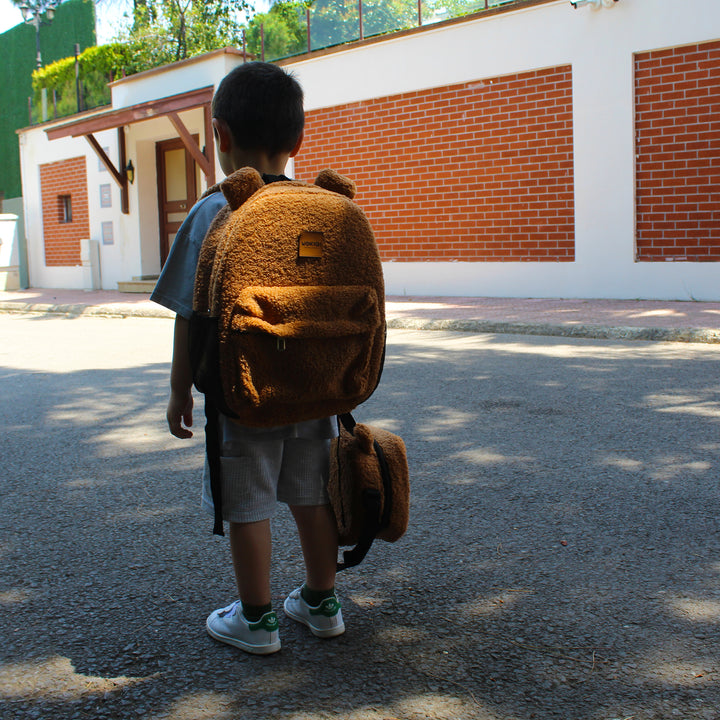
x=130, y=172
x=597, y=4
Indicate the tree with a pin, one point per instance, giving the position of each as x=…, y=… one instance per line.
x=167, y=30
x=283, y=33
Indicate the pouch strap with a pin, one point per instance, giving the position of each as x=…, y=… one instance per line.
x=353, y=557
x=348, y=422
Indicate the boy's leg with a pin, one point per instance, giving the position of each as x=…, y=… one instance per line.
x=319, y=540
x=257, y=633
x=315, y=604
x=251, y=548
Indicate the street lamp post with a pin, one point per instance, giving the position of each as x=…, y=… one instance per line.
x=32, y=12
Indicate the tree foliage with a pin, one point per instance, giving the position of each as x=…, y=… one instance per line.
x=96, y=67
x=281, y=31
x=164, y=31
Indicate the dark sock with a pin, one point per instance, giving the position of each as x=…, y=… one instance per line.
x=314, y=597
x=253, y=613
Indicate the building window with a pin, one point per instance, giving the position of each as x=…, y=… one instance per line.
x=107, y=233
x=105, y=196
x=65, y=208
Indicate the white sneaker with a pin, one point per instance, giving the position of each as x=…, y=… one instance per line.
x=229, y=625
x=324, y=621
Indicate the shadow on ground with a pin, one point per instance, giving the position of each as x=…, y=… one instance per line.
x=563, y=559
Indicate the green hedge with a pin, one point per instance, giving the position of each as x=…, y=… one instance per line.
x=97, y=67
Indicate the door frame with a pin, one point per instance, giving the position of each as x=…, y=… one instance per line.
x=164, y=207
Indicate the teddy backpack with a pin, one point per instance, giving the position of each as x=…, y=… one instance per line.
x=288, y=317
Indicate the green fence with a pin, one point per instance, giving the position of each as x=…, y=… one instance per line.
x=74, y=22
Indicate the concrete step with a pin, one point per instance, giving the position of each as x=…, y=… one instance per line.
x=137, y=286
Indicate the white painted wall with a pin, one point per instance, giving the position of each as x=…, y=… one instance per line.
x=135, y=248
x=599, y=44
x=119, y=260
x=198, y=72
x=9, y=252
x=36, y=150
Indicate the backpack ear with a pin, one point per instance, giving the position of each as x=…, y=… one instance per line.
x=330, y=180
x=238, y=187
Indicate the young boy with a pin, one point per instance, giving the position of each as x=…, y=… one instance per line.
x=258, y=121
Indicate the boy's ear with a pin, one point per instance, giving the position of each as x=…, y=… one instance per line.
x=296, y=149
x=223, y=136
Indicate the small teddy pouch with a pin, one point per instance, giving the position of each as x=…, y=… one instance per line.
x=369, y=487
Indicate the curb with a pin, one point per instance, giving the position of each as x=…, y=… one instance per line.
x=599, y=332
x=114, y=311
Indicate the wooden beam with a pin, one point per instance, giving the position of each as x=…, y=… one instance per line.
x=190, y=144
x=105, y=160
x=119, y=176
x=124, y=194
x=209, y=144
x=136, y=113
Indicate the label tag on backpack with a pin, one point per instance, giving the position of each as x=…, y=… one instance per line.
x=310, y=245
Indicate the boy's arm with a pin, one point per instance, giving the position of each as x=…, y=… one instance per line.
x=179, y=409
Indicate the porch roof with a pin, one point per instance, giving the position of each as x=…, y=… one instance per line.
x=119, y=117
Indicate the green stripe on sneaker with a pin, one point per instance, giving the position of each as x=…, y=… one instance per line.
x=267, y=622
x=328, y=608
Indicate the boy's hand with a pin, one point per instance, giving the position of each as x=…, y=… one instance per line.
x=179, y=414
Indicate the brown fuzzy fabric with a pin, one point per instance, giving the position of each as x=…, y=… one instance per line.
x=330, y=180
x=300, y=337
x=354, y=468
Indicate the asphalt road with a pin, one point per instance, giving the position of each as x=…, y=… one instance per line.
x=563, y=559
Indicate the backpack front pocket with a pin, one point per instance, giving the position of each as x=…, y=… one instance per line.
x=301, y=346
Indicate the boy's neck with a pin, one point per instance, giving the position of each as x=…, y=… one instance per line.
x=261, y=161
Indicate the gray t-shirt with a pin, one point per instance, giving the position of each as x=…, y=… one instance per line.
x=174, y=290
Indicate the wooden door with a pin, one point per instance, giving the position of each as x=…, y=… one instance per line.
x=177, y=189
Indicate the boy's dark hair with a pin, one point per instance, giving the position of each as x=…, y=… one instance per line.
x=263, y=107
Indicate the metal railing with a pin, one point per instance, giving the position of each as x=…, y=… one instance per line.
x=329, y=23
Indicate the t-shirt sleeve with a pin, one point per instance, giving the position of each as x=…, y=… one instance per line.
x=174, y=289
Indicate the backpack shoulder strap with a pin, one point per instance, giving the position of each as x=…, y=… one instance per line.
x=212, y=448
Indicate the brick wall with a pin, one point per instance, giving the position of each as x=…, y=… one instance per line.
x=479, y=171
x=677, y=125
x=67, y=178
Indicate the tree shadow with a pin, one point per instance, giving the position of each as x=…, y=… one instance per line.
x=562, y=559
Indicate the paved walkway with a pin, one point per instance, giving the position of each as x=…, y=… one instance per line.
x=624, y=319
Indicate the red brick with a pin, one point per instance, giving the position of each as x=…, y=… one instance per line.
x=62, y=240
x=440, y=169
x=677, y=172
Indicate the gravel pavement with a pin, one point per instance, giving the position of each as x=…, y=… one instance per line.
x=562, y=562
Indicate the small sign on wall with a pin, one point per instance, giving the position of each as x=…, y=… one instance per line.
x=107, y=233
x=105, y=196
